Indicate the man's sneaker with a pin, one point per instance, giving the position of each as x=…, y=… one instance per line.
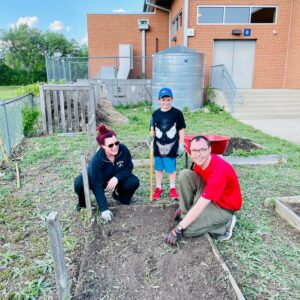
x=173, y=194
x=157, y=193
x=228, y=233
x=177, y=214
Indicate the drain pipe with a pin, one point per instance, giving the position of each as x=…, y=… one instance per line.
x=186, y=23
x=143, y=26
x=167, y=10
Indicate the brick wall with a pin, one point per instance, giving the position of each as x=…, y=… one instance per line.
x=177, y=6
x=107, y=31
x=271, y=41
x=293, y=58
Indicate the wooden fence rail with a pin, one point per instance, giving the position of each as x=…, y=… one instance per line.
x=67, y=107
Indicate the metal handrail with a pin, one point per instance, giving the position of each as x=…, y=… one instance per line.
x=221, y=79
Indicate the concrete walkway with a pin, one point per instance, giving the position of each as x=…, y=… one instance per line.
x=273, y=111
x=287, y=129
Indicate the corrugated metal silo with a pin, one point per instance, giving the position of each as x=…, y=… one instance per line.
x=180, y=69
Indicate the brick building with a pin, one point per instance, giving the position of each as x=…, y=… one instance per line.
x=258, y=41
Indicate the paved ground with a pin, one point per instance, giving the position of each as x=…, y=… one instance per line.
x=287, y=129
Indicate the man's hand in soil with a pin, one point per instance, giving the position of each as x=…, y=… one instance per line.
x=174, y=236
x=112, y=184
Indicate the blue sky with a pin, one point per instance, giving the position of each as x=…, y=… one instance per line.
x=63, y=16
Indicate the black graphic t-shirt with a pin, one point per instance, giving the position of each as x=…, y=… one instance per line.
x=167, y=125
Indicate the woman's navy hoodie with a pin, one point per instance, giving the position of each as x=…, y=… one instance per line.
x=101, y=170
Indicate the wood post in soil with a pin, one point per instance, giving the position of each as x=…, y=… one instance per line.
x=57, y=250
x=86, y=186
x=18, y=184
x=91, y=136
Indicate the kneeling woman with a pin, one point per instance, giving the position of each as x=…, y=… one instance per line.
x=110, y=169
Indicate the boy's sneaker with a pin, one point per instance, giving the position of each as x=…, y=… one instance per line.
x=157, y=193
x=228, y=233
x=173, y=194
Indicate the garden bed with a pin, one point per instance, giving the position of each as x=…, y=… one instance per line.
x=128, y=259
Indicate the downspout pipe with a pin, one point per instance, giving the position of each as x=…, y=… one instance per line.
x=143, y=54
x=186, y=22
x=167, y=10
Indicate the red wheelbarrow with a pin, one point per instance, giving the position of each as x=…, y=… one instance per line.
x=218, y=144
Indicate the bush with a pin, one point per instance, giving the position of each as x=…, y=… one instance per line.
x=9, y=76
x=29, y=89
x=30, y=120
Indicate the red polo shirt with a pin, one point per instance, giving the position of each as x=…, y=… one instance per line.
x=221, y=183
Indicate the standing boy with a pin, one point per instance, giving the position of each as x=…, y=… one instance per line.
x=168, y=125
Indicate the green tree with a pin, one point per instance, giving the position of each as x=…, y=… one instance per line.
x=25, y=50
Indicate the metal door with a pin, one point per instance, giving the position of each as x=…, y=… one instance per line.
x=238, y=57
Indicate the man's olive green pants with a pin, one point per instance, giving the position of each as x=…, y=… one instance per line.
x=213, y=219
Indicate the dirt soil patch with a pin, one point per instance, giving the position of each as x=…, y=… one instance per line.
x=128, y=259
x=240, y=144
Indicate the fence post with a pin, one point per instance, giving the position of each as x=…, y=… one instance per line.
x=86, y=186
x=7, y=129
x=43, y=108
x=57, y=250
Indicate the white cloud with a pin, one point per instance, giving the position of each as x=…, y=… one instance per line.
x=29, y=21
x=84, y=41
x=56, y=26
x=120, y=10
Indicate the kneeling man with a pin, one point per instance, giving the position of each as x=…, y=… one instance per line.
x=210, y=194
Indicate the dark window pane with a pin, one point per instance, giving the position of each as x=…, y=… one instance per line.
x=210, y=14
x=263, y=14
x=237, y=14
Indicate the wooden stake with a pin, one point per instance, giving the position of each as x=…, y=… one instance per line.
x=57, y=250
x=18, y=176
x=5, y=156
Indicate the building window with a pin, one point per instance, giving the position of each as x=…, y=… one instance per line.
x=236, y=15
x=210, y=15
x=263, y=14
x=177, y=23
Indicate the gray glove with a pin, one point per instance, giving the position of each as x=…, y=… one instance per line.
x=107, y=215
x=180, y=150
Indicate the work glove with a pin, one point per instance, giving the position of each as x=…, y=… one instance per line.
x=174, y=236
x=107, y=215
x=180, y=150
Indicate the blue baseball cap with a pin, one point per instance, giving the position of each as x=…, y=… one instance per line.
x=165, y=92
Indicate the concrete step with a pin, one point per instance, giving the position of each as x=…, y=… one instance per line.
x=268, y=104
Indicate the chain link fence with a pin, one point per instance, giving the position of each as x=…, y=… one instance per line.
x=11, y=127
x=71, y=69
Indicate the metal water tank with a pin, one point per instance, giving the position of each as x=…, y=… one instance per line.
x=180, y=69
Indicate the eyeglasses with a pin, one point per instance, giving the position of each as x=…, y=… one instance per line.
x=117, y=143
x=201, y=150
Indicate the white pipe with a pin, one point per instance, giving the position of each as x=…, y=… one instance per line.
x=167, y=10
x=143, y=54
x=186, y=22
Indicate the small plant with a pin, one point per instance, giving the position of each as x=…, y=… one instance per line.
x=29, y=89
x=30, y=120
x=210, y=94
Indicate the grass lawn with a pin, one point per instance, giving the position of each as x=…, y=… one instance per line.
x=263, y=255
x=8, y=92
